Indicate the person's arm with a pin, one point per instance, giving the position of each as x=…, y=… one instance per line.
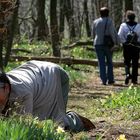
x=121, y=34
x=28, y=104
x=138, y=32
x=93, y=30
x=114, y=34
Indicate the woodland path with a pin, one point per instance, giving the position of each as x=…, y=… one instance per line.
x=93, y=89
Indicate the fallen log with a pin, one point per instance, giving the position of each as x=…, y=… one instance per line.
x=14, y=51
x=78, y=43
x=86, y=44
x=64, y=60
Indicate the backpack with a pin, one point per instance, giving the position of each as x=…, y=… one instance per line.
x=132, y=37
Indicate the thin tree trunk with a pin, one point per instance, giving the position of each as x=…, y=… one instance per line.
x=70, y=19
x=11, y=34
x=54, y=28
x=78, y=19
x=87, y=19
x=4, y=5
x=41, y=21
x=1, y=58
x=61, y=19
x=136, y=7
x=128, y=4
x=117, y=16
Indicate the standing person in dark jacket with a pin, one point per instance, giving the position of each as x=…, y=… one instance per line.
x=101, y=26
x=130, y=51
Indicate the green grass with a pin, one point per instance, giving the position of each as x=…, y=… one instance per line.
x=77, y=74
x=26, y=128
x=126, y=103
x=36, y=49
x=82, y=53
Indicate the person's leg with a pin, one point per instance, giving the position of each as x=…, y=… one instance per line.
x=64, y=85
x=135, y=60
x=110, y=74
x=101, y=62
x=127, y=62
x=76, y=123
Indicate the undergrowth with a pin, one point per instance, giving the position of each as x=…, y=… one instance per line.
x=126, y=102
x=27, y=128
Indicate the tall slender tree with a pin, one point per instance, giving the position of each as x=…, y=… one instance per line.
x=12, y=28
x=70, y=18
x=54, y=29
x=62, y=18
x=128, y=4
x=41, y=20
x=87, y=18
x=136, y=7
x=8, y=17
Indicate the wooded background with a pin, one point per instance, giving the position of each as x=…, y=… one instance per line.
x=54, y=20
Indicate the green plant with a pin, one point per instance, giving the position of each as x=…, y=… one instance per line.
x=77, y=76
x=26, y=128
x=82, y=53
x=125, y=104
x=126, y=98
x=39, y=48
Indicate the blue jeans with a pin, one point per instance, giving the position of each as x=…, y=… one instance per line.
x=104, y=56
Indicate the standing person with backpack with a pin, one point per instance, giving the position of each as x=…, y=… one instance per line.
x=129, y=33
x=101, y=28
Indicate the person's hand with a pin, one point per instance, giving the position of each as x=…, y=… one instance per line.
x=115, y=48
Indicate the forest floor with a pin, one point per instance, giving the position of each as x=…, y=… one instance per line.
x=80, y=100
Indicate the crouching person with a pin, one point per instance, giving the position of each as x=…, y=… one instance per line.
x=41, y=89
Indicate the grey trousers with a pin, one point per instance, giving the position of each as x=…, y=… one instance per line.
x=64, y=85
x=72, y=122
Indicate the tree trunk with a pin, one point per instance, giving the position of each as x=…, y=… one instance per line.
x=70, y=19
x=54, y=28
x=128, y=5
x=78, y=20
x=1, y=58
x=87, y=19
x=2, y=35
x=136, y=7
x=61, y=19
x=4, y=5
x=11, y=34
x=41, y=20
x=118, y=15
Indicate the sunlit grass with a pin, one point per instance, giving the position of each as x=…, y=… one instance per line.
x=27, y=128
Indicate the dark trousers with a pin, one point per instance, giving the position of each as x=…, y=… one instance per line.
x=131, y=58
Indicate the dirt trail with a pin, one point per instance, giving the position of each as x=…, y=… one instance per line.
x=93, y=88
